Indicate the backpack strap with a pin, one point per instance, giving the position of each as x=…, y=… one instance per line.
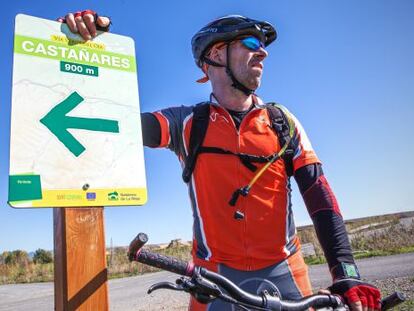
x=281, y=123
x=201, y=114
x=283, y=126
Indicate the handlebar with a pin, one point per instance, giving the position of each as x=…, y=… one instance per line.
x=163, y=262
x=188, y=269
x=392, y=300
x=175, y=265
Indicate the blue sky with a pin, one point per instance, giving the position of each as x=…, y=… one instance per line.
x=344, y=68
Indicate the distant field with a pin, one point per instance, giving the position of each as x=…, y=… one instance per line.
x=370, y=236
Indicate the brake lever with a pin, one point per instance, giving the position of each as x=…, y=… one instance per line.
x=201, y=289
x=165, y=285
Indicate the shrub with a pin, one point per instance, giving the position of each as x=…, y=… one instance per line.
x=42, y=256
x=17, y=257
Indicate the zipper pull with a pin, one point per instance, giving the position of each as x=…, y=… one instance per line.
x=238, y=215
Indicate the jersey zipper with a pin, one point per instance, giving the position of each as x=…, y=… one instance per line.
x=242, y=207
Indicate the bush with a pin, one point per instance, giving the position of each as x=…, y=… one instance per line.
x=42, y=256
x=17, y=257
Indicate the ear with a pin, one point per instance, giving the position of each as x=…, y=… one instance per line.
x=218, y=54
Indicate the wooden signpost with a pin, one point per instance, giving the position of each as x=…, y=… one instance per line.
x=75, y=145
x=80, y=259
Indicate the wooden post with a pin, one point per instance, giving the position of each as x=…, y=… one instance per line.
x=80, y=263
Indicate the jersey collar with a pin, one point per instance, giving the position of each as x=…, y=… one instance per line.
x=257, y=101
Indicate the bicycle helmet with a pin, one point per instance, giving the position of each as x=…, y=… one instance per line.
x=227, y=29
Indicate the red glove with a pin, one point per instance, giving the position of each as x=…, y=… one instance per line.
x=79, y=13
x=353, y=290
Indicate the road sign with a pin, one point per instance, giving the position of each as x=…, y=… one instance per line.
x=75, y=125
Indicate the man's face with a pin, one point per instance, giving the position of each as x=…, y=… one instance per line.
x=247, y=64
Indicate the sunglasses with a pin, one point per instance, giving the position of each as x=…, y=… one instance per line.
x=252, y=43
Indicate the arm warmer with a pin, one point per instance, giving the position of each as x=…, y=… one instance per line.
x=151, y=130
x=327, y=219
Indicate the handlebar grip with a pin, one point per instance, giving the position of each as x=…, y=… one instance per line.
x=315, y=301
x=392, y=300
x=165, y=262
x=136, y=245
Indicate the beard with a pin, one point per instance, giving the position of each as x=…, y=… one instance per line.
x=249, y=75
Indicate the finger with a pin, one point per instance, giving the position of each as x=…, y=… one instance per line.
x=324, y=291
x=356, y=306
x=89, y=20
x=70, y=20
x=364, y=302
x=371, y=303
x=103, y=21
x=83, y=30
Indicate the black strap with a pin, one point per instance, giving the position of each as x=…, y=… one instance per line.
x=280, y=125
x=211, y=62
x=236, y=83
x=201, y=113
x=246, y=159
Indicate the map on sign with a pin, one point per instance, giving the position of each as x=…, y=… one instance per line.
x=75, y=136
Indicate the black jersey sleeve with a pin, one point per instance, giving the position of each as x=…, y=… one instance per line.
x=323, y=208
x=151, y=130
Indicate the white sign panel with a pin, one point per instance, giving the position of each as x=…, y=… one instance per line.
x=75, y=125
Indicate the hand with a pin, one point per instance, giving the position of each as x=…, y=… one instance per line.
x=86, y=23
x=359, y=296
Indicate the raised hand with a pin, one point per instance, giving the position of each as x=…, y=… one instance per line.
x=86, y=23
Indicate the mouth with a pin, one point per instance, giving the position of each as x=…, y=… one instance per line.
x=257, y=65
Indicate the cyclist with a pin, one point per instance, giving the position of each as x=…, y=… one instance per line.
x=254, y=237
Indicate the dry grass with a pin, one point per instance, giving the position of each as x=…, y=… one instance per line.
x=26, y=273
x=378, y=240
x=390, y=239
x=119, y=266
x=373, y=241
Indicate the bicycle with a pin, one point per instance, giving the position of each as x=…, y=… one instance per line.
x=206, y=285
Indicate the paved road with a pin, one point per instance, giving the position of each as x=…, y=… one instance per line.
x=130, y=293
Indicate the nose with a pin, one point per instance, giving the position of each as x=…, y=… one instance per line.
x=261, y=53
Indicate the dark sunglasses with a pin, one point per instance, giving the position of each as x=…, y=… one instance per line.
x=252, y=43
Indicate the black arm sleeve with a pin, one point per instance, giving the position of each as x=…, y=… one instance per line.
x=151, y=130
x=324, y=211
x=307, y=175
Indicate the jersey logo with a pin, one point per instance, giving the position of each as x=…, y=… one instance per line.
x=214, y=116
x=262, y=120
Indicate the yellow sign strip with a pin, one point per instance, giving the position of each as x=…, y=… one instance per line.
x=92, y=197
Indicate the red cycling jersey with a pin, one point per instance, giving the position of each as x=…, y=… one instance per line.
x=267, y=233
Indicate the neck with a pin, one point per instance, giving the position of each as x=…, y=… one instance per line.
x=232, y=99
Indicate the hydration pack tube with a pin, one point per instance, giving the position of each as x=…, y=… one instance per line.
x=281, y=124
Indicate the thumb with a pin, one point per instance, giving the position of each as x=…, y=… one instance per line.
x=324, y=291
x=103, y=21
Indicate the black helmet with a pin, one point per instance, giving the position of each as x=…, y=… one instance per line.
x=226, y=29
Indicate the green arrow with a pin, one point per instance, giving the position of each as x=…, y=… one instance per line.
x=58, y=123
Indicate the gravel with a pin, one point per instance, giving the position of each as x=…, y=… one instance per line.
x=403, y=284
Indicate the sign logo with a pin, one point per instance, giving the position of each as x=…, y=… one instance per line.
x=113, y=196
x=69, y=197
x=91, y=195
